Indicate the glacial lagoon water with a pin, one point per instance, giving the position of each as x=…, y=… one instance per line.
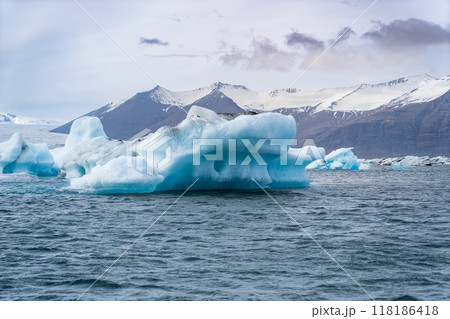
x=388, y=229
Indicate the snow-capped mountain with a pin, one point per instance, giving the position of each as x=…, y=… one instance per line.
x=426, y=91
x=8, y=118
x=318, y=114
x=363, y=97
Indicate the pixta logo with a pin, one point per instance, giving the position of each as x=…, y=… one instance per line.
x=154, y=152
x=227, y=150
x=151, y=153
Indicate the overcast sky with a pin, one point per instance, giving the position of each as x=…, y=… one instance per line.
x=57, y=63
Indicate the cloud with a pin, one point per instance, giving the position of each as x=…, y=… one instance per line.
x=408, y=33
x=263, y=55
x=399, y=44
x=344, y=34
x=297, y=39
x=153, y=41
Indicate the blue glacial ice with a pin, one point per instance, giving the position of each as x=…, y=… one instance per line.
x=397, y=166
x=172, y=158
x=18, y=156
x=340, y=159
x=84, y=130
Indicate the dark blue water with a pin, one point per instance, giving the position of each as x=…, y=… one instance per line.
x=389, y=230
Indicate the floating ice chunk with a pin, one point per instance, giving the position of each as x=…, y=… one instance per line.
x=18, y=156
x=412, y=161
x=396, y=166
x=440, y=160
x=10, y=150
x=342, y=158
x=364, y=165
x=415, y=160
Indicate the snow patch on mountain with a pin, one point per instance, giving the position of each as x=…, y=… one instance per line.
x=425, y=92
x=370, y=96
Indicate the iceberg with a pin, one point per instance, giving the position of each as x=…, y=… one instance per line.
x=18, y=156
x=219, y=153
x=397, y=166
x=340, y=159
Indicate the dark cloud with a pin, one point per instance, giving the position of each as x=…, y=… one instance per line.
x=263, y=55
x=344, y=34
x=297, y=39
x=394, y=44
x=153, y=41
x=407, y=33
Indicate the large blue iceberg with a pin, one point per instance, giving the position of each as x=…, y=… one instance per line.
x=222, y=154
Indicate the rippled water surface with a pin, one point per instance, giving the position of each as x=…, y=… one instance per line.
x=387, y=229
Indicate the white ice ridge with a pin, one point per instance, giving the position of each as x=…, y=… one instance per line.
x=166, y=160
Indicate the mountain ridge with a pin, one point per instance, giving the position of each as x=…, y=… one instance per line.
x=316, y=112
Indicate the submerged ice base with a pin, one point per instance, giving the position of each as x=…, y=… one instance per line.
x=170, y=159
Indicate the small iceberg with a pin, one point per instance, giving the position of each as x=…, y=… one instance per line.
x=340, y=159
x=397, y=166
x=18, y=156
